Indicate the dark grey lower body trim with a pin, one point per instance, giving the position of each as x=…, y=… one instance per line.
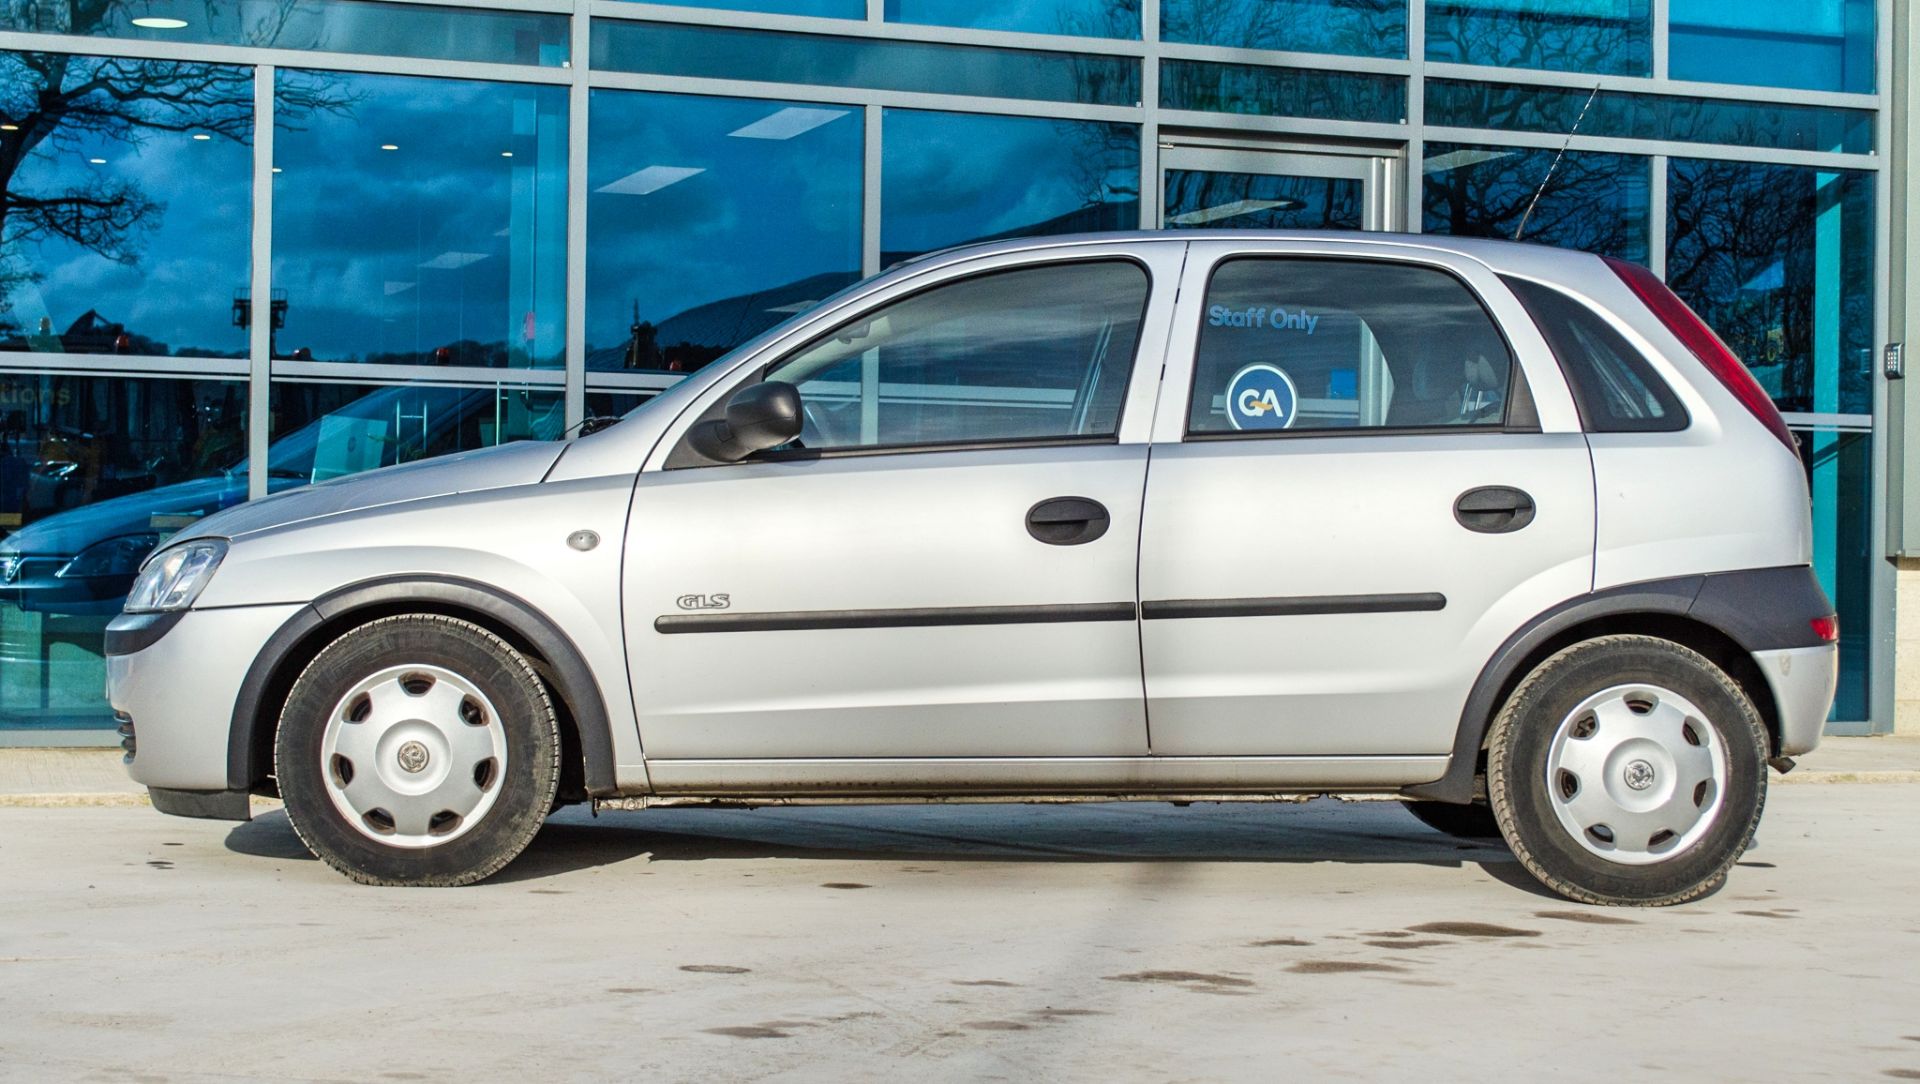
x=906, y=618
x=214, y=805
x=130, y=634
x=1295, y=606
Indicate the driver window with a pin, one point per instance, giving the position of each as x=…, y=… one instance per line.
x=1319, y=344
x=1035, y=353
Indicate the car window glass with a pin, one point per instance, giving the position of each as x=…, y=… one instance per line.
x=1029, y=354
x=1615, y=388
x=1316, y=344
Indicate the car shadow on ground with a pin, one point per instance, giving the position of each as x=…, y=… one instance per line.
x=1323, y=830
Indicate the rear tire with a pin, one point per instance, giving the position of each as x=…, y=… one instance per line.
x=1475, y=821
x=418, y=750
x=1628, y=770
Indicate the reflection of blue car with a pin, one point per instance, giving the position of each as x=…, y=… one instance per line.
x=83, y=561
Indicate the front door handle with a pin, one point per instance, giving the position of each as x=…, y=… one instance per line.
x=1068, y=521
x=1494, y=509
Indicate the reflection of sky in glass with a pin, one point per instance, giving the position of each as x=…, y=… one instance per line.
x=186, y=254
x=338, y=26
x=1085, y=18
x=447, y=249
x=1352, y=27
x=1592, y=201
x=949, y=178
x=716, y=217
x=1809, y=44
x=831, y=9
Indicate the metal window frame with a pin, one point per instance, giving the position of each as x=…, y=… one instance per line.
x=1148, y=50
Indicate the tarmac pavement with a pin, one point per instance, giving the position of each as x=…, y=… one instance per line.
x=1313, y=941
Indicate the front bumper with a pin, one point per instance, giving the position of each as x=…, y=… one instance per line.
x=1803, y=680
x=179, y=688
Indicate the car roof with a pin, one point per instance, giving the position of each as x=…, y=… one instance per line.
x=1496, y=253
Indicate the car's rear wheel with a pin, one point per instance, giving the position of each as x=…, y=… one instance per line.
x=1473, y=821
x=1628, y=770
x=418, y=750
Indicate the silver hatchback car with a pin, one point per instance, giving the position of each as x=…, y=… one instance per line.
x=1502, y=530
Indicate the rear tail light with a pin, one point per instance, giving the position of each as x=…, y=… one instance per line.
x=1705, y=345
x=1826, y=628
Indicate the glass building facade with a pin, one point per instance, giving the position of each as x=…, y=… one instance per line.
x=253, y=244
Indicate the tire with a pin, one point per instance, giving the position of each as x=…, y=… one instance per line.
x=1474, y=821
x=418, y=750
x=1628, y=770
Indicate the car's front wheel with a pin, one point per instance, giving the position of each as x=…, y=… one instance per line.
x=1628, y=770
x=418, y=750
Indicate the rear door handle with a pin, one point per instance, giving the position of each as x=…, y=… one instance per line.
x=1494, y=509
x=1068, y=521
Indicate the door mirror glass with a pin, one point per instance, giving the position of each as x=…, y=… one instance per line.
x=759, y=416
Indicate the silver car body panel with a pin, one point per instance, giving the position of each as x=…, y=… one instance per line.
x=1028, y=709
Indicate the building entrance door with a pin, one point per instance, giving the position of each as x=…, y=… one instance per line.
x=1236, y=187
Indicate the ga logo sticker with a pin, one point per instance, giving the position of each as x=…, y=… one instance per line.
x=1260, y=397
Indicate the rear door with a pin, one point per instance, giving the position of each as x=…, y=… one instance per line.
x=1377, y=477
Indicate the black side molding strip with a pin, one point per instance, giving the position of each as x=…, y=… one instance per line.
x=919, y=617
x=1296, y=606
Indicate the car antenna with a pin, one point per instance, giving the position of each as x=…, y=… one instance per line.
x=1555, y=164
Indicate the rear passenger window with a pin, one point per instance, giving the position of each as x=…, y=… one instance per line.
x=1614, y=387
x=1316, y=344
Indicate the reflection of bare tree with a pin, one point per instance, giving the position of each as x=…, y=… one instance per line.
x=1742, y=249
x=1593, y=202
x=1352, y=27
x=55, y=102
x=1537, y=37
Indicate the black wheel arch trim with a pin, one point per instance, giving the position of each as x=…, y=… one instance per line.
x=567, y=668
x=1762, y=609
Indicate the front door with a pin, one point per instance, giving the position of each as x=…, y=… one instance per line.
x=942, y=566
x=1205, y=186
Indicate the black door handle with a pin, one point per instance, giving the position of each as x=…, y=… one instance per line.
x=1068, y=521
x=1494, y=509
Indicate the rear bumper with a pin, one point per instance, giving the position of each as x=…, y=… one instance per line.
x=178, y=690
x=1803, y=680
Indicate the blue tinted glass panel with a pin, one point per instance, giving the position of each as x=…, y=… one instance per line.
x=1351, y=27
x=1779, y=260
x=1806, y=44
x=1589, y=201
x=829, y=9
x=1611, y=37
x=767, y=56
x=710, y=220
x=1206, y=199
x=1463, y=104
x=950, y=178
x=333, y=26
x=323, y=431
x=1085, y=18
x=419, y=221
x=126, y=192
x=1840, y=480
x=94, y=472
x=1282, y=92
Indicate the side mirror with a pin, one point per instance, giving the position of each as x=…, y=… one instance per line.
x=759, y=416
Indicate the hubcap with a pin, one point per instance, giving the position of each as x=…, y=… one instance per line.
x=1636, y=774
x=413, y=756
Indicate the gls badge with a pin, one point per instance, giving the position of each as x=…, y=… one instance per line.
x=703, y=602
x=1260, y=397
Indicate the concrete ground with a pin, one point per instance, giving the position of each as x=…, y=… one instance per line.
x=1103, y=942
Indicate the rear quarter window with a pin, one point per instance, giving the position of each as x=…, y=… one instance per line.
x=1615, y=388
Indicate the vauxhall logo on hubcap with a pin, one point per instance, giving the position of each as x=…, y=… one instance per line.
x=413, y=757
x=1639, y=775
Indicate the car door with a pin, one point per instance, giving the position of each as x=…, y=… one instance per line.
x=943, y=565
x=1367, y=473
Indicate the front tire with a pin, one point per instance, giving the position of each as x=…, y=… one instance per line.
x=418, y=750
x=1628, y=770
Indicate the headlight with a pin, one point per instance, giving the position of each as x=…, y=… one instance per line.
x=114, y=557
x=175, y=576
